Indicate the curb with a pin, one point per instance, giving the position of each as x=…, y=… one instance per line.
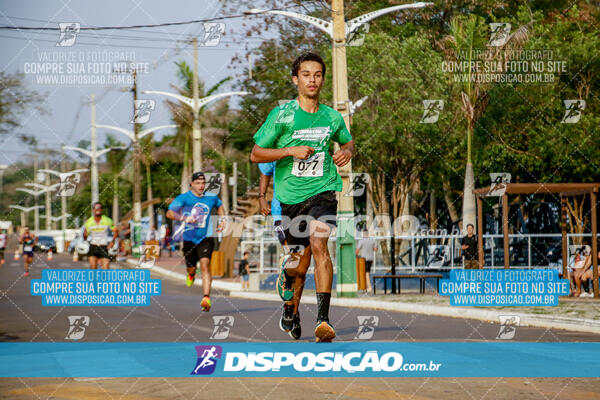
x=226, y=286
x=566, y=323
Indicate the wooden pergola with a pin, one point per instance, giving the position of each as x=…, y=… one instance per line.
x=564, y=190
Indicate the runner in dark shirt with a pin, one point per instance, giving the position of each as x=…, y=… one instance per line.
x=244, y=271
x=469, y=249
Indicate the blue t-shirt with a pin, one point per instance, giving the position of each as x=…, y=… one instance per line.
x=200, y=207
x=268, y=169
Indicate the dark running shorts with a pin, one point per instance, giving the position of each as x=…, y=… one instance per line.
x=194, y=252
x=368, y=265
x=98, y=251
x=296, y=229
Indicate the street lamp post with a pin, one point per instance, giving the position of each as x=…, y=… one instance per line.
x=24, y=212
x=135, y=137
x=35, y=194
x=339, y=30
x=46, y=189
x=63, y=199
x=94, y=156
x=196, y=104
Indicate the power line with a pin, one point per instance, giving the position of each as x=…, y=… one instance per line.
x=216, y=48
x=101, y=28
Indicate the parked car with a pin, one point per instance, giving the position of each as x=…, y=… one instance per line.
x=45, y=243
x=78, y=244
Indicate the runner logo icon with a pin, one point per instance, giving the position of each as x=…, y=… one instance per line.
x=207, y=359
x=68, y=33
x=366, y=327
x=508, y=326
x=573, y=110
x=499, y=32
x=431, y=111
x=358, y=184
x=77, y=325
x=223, y=325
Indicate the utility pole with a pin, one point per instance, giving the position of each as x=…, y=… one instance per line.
x=2, y=168
x=137, y=190
x=94, y=166
x=346, y=261
x=36, y=213
x=63, y=199
x=48, y=195
x=234, y=191
x=225, y=187
x=196, y=134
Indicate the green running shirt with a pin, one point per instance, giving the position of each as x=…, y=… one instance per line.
x=289, y=125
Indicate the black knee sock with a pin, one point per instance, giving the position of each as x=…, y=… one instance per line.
x=323, y=306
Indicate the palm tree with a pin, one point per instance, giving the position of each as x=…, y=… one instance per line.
x=466, y=43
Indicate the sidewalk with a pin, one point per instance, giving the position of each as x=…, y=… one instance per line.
x=582, y=315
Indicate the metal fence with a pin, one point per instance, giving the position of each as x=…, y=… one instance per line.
x=432, y=252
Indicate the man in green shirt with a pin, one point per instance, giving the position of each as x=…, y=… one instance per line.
x=297, y=135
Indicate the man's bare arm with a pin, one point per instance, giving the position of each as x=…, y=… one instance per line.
x=344, y=154
x=263, y=185
x=263, y=155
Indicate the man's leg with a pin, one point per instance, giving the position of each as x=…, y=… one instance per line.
x=206, y=283
x=105, y=262
x=204, y=251
x=300, y=274
x=323, y=278
x=206, y=277
x=27, y=261
x=323, y=266
x=93, y=262
x=190, y=254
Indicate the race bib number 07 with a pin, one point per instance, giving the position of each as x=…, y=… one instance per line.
x=313, y=166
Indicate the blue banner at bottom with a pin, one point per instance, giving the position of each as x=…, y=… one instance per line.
x=339, y=359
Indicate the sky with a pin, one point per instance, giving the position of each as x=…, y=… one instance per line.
x=154, y=50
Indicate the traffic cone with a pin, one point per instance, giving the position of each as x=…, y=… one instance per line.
x=50, y=255
x=16, y=254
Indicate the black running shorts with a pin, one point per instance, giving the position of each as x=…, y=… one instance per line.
x=98, y=251
x=194, y=252
x=317, y=207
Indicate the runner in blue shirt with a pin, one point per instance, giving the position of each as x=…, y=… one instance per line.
x=193, y=208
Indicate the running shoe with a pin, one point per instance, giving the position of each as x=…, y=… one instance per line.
x=285, y=283
x=205, y=303
x=287, y=317
x=296, y=331
x=189, y=281
x=27, y=273
x=324, y=332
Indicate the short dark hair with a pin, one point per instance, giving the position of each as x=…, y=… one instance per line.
x=471, y=225
x=308, y=56
x=246, y=252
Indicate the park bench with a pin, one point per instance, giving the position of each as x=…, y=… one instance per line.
x=421, y=277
